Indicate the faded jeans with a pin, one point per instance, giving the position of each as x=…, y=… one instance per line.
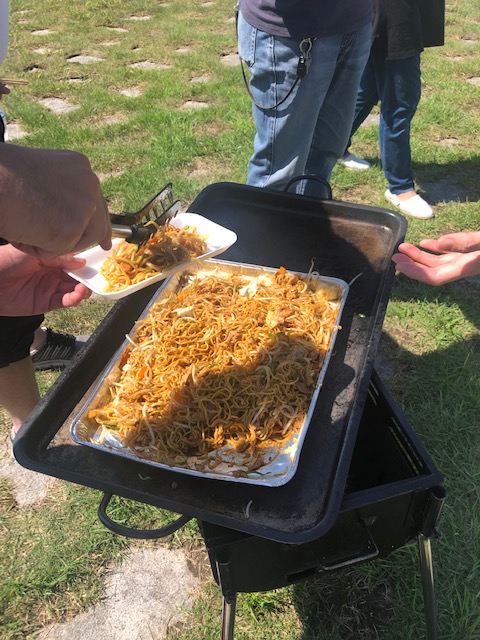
x=397, y=85
x=309, y=131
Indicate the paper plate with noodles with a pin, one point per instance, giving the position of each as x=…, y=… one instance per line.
x=126, y=268
x=220, y=375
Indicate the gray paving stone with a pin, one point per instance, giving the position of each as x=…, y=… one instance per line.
x=230, y=60
x=58, y=105
x=82, y=59
x=42, y=32
x=146, y=65
x=195, y=104
x=144, y=596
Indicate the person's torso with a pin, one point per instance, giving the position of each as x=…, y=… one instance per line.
x=306, y=18
x=405, y=27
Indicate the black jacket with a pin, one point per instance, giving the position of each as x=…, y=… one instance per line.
x=403, y=28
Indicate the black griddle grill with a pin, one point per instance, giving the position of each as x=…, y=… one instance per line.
x=347, y=241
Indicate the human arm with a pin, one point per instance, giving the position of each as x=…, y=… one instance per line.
x=455, y=256
x=31, y=286
x=51, y=202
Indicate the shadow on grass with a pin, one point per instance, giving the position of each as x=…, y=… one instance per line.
x=451, y=182
x=440, y=183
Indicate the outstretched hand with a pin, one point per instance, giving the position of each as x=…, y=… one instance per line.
x=455, y=256
x=31, y=286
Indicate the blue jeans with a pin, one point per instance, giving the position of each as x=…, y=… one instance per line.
x=397, y=85
x=308, y=132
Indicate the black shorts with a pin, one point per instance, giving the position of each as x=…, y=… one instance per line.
x=16, y=337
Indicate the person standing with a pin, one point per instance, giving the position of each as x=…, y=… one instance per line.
x=306, y=59
x=402, y=30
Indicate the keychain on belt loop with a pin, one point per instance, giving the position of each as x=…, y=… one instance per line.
x=305, y=59
x=303, y=66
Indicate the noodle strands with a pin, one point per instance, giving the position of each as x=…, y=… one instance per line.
x=222, y=372
x=169, y=246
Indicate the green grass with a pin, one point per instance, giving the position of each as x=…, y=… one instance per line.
x=430, y=335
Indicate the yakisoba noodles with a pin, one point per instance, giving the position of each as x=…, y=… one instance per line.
x=230, y=362
x=169, y=246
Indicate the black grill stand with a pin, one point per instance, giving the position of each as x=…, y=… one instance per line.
x=438, y=496
x=224, y=574
x=392, y=486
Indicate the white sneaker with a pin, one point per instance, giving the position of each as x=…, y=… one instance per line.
x=351, y=161
x=414, y=206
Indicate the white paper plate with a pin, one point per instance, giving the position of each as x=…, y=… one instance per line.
x=218, y=239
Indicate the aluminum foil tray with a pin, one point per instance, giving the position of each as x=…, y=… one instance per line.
x=279, y=466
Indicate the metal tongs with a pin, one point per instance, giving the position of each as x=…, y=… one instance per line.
x=138, y=227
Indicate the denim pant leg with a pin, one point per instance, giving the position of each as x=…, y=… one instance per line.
x=367, y=98
x=337, y=109
x=399, y=85
x=317, y=110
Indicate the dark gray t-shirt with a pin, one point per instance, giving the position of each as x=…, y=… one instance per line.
x=307, y=18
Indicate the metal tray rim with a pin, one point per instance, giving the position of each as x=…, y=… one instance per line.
x=80, y=435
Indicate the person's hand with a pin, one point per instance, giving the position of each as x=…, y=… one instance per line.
x=456, y=256
x=463, y=242
x=51, y=202
x=30, y=286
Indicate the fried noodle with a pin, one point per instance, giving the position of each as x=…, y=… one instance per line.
x=169, y=246
x=227, y=364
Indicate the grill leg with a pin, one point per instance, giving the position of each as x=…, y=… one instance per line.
x=426, y=571
x=228, y=617
x=229, y=594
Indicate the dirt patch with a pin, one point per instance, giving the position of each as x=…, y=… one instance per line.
x=27, y=487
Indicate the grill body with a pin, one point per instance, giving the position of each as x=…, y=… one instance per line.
x=365, y=484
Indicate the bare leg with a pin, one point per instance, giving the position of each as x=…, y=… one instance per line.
x=18, y=390
x=38, y=339
x=406, y=196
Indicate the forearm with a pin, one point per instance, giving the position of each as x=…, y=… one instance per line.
x=16, y=197
x=51, y=202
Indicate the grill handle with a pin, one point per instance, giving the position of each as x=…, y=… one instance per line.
x=130, y=532
x=369, y=552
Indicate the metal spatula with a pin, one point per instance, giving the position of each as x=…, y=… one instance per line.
x=138, y=227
